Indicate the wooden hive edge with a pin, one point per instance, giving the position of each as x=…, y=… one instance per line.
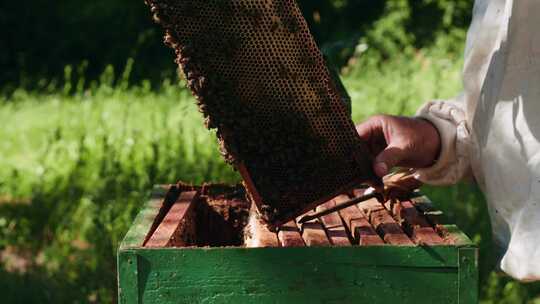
x=356, y=222
x=146, y=219
x=451, y=233
x=176, y=228
x=380, y=256
x=334, y=227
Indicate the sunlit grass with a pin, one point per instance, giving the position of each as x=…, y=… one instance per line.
x=76, y=164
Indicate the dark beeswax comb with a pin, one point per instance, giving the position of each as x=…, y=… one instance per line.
x=261, y=81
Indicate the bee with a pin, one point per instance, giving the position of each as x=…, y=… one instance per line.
x=292, y=25
x=282, y=70
x=275, y=26
x=307, y=60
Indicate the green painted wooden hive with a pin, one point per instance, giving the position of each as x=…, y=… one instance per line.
x=203, y=245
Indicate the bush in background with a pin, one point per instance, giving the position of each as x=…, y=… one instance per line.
x=82, y=145
x=39, y=38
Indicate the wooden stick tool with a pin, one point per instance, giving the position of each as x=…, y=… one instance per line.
x=396, y=185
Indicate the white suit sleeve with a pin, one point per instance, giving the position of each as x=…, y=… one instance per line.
x=453, y=163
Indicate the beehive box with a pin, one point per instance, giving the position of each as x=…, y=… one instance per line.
x=188, y=245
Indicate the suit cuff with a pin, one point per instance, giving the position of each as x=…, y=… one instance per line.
x=453, y=163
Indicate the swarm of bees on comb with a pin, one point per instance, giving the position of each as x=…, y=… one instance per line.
x=261, y=81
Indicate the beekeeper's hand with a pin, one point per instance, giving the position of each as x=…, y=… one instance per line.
x=400, y=141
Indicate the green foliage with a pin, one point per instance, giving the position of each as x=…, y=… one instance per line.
x=400, y=26
x=42, y=37
x=74, y=170
x=80, y=150
x=77, y=163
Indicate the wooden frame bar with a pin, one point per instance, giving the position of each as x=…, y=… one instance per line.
x=334, y=226
x=313, y=234
x=176, y=228
x=384, y=224
x=358, y=225
x=417, y=226
x=289, y=235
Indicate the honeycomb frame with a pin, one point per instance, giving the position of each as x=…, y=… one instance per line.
x=261, y=81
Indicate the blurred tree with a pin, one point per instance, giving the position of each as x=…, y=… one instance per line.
x=38, y=38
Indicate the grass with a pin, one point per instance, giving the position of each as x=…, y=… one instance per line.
x=76, y=164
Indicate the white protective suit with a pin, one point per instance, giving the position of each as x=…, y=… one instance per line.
x=493, y=128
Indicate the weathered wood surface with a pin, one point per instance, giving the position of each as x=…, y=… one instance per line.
x=138, y=233
x=177, y=227
x=306, y=275
x=313, y=233
x=333, y=226
x=449, y=233
x=417, y=226
x=289, y=235
x=257, y=234
x=453, y=235
x=384, y=224
x=358, y=225
x=468, y=275
x=428, y=210
x=365, y=224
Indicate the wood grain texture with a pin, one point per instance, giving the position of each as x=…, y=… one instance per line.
x=452, y=235
x=141, y=227
x=336, y=232
x=437, y=219
x=128, y=278
x=417, y=226
x=384, y=224
x=313, y=233
x=257, y=234
x=362, y=233
x=177, y=227
x=367, y=274
x=468, y=274
x=298, y=275
x=289, y=235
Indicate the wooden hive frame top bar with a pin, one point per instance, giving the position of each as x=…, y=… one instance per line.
x=368, y=224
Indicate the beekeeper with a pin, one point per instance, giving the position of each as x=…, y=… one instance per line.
x=491, y=131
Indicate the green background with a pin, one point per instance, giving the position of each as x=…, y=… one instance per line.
x=93, y=115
